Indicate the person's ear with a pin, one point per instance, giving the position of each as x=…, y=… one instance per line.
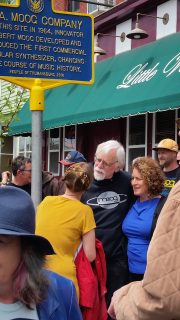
x=117, y=168
x=19, y=172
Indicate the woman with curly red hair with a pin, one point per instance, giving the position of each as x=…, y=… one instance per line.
x=147, y=182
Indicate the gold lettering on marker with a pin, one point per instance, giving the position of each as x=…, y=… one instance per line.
x=27, y=18
x=2, y=16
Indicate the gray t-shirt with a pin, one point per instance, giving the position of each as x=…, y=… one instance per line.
x=17, y=311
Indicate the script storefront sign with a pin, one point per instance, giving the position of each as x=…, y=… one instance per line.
x=141, y=73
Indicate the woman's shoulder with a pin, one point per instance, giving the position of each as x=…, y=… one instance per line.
x=58, y=282
x=87, y=209
x=48, y=200
x=61, y=299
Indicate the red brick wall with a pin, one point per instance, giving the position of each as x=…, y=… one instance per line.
x=83, y=7
x=119, y=1
x=62, y=5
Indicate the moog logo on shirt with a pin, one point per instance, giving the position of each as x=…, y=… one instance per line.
x=107, y=200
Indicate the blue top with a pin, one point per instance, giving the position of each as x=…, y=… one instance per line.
x=137, y=228
x=61, y=301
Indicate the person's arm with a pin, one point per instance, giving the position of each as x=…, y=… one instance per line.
x=88, y=241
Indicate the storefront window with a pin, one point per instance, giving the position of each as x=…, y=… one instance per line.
x=53, y=162
x=6, y=154
x=92, y=7
x=69, y=141
x=164, y=125
x=22, y=146
x=54, y=150
x=54, y=139
x=69, y=138
x=134, y=153
x=74, y=6
x=136, y=138
x=137, y=130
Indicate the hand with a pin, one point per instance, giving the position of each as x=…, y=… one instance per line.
x=5, y=177
x=117, y=295
x=111, y=310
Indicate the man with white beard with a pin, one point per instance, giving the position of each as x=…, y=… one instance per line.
x=110, y=197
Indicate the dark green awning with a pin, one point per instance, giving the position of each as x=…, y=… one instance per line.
x=145, y=79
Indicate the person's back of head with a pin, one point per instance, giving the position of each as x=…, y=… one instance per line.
x=19, y=163
x=78, y=177
x=107, y=146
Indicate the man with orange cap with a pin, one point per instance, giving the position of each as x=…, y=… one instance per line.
x=167, y=150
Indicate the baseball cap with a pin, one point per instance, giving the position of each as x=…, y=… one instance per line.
x=168, y=144
x=73, y=157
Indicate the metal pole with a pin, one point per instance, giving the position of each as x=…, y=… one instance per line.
x=37, y=107
x=36, y=184
x=0, y=146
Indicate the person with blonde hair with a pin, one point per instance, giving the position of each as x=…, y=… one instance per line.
x=139, y=223
x=65, y=222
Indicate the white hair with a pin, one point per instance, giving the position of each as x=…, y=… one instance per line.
x=106, y=146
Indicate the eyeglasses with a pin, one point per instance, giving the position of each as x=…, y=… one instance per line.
x=104, y=163
x=28, y=170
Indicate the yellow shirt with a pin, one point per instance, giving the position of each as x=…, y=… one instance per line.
x=63, y=222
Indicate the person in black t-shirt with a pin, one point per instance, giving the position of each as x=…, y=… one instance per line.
x=167, y=150
x=21, y=174
x=21, y=178
x=110, y=197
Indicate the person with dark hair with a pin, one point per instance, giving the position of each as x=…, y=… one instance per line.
x=27, y=291
x=21, y=173
x=21, y=178
x=139, y=223
x=65, y=222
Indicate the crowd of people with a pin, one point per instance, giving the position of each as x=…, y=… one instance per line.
x=133, y=215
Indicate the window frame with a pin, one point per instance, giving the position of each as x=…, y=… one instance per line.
x=54, y=151
x=135, y=146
